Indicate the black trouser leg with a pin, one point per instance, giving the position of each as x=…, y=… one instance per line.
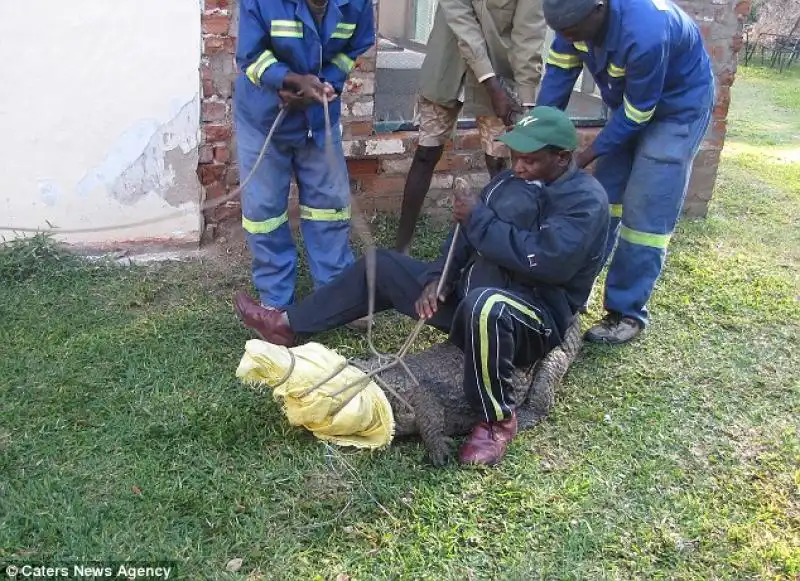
x=345, y=299
x=417, y=185
x=497, y=331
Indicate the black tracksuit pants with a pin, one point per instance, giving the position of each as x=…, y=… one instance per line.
x=496, y=329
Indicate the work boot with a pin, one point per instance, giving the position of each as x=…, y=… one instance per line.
x=269, y=324
x=614, y=329
x=487, y=443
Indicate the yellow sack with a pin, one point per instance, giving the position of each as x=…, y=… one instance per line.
x=365, y=420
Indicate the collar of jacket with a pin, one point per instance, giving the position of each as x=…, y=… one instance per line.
x=568, y=173
x=332, y=16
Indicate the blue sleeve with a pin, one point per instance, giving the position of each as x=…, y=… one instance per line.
x=561, y=71
x=645, y=71
x=254, y=51
x=336, y=71
x=461, y=255
x=552, y=254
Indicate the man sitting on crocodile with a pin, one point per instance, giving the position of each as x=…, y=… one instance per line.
x=526, y=256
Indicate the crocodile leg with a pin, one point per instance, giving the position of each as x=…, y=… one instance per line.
x=431, y=423
x=549, y=374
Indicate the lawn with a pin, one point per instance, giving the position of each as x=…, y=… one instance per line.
x=125, y=435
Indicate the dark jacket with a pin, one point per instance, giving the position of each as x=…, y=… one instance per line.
x=544, y=242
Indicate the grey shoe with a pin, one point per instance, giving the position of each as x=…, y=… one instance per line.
x=614, y=329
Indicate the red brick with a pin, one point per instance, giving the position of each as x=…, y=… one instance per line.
x=215, y=133
x=726, y=78
x=723, y=102
x=216, y=23
x=363, y=167
x=214, y=45
x=217, y=4
x=718, y=130
x=382, y=185
x=452, y=161
x=211, y=173
x=208, y=88
x=214, y=111
x=222, y=154
x=360, y=128
x=216, y=190
x=206, y=154
x=469, y=140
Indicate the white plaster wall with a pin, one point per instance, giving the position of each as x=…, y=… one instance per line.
x=99, y=106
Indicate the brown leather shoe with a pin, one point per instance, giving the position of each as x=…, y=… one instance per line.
x=267, y=323
x=487, y=443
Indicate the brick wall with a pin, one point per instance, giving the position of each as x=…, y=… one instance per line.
x=217, y=169
x=721, y=24
x=378, y=163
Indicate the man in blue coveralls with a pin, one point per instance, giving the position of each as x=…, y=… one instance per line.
x=648, y=60
x=295, y=54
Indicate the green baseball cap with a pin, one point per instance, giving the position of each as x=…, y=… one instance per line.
x=541, y=127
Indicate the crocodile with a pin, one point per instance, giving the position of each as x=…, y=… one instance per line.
x=438, y=409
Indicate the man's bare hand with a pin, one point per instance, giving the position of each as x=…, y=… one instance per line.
x=428, y=303
x=464, y=201
x=504, y=107
x=329, y=92
x=294, y=100
x=307, y=86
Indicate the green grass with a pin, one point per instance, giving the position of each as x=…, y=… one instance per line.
x=125, y=435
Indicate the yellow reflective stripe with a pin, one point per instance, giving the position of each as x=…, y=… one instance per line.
x=286, y=29
x=344, y=30
x=255, y=70
x=636, y=115
x=286, y=23
x=615, y=71
x=264, y=226
x=615, y=210
x=581, y=46
x=344, y=62
x=484, y=335
x=324, y=214
x=644, y=238
x=563, y=60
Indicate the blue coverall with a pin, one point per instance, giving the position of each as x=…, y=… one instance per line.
x=277, y=37
x=655, y=76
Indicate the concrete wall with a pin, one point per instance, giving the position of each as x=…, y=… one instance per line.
x=100, y=106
